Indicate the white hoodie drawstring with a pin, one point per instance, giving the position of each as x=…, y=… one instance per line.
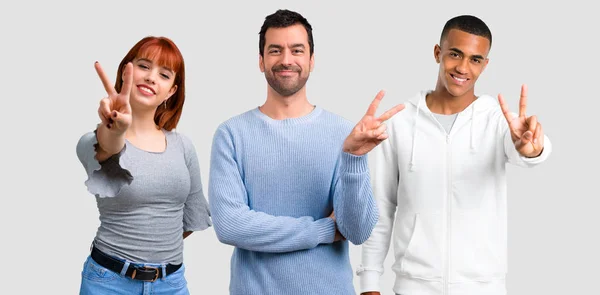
x=414, y=143
x=472, y=128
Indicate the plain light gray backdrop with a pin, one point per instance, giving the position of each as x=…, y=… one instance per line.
x=51, y=93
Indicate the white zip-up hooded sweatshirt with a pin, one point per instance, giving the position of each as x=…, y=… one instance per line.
x=444, y=197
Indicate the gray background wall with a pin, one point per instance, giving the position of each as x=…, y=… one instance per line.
x=51, y=92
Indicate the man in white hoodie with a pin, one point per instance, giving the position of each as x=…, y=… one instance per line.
x=440, y=179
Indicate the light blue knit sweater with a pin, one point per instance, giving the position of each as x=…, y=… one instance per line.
x=273, y=184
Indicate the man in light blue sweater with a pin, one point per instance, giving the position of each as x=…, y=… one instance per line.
x=289, y=183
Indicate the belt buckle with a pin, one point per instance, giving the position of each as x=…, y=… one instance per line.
x=146, y=268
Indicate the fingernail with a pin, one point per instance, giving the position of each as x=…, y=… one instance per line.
x=96, y=62
x=114, y=114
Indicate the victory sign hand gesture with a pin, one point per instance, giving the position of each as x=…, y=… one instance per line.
x=370, y=130
x=526, y=132
x=115, y=110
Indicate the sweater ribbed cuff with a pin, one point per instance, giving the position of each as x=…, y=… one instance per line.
x=354, y=164
x=325, y=230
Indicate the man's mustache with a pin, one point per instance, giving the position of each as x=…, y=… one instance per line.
x=279, y=68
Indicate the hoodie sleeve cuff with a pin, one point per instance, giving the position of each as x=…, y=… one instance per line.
x=542, y=157
x=369, y=280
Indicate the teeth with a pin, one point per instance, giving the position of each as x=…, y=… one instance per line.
x=459, y=79
x=147, y=90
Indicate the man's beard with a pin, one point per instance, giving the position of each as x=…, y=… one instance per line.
x=285, y=86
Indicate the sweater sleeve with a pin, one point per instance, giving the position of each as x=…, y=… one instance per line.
x=353, y=202
x=105, y=179
x=196, y=216
x=385, y=179
x=238, y=225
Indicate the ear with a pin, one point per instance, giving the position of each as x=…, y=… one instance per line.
x=485, y=63
x=171, y=92
x=261, y=63
x=312, y=62
x=437, y=50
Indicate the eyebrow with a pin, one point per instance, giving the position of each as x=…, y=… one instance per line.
x=462, y=53
x=281, y=47
x=274, y=46
x=149, y=61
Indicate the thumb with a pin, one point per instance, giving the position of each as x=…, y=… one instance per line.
x=120, y=119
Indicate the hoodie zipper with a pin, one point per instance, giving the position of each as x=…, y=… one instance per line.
x=448, y=207
x=448, y=215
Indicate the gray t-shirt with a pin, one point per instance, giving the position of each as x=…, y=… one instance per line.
x=446, y=120
x=146, y=200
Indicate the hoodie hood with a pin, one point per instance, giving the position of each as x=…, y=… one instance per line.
x=481, y=105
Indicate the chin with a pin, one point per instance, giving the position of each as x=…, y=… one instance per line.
x=458, y=91
x=144, y=104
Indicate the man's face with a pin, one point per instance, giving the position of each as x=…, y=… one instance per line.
x=462, y=58
x=287, y=61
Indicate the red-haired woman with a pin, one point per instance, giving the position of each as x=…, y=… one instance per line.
x=145, y=176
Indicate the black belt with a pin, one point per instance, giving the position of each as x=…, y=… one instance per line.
x=148, y=274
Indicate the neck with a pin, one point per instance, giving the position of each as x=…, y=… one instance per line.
x=440, y=101
x=142, y=124
x=280, y=107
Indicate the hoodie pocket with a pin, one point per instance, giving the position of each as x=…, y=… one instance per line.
x=475, y=244
x=422, y=258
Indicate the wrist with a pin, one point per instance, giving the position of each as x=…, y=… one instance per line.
x=535, y=155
